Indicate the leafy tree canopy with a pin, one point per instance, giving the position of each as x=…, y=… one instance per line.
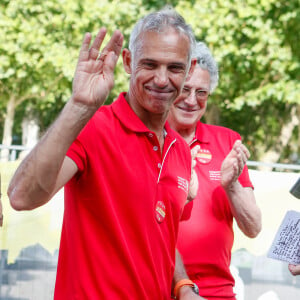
x=256, y=43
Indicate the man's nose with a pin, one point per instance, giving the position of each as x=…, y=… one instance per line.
x=192, y=98
x=161, y=77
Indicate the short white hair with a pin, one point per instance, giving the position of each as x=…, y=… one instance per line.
x=159, y=21
x=206, y=61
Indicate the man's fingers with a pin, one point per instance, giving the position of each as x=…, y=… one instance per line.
x=91, y=53
x=195, y=151
x=110, y=63
x=241, y=153
x=238, y=146
x=114, y=45
x=244, y=154
x=111, y=57
x=84, y=50
x=294, y=269
x=194, y=179
x=94, y=50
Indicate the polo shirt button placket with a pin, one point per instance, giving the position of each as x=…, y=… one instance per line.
x=155, y=147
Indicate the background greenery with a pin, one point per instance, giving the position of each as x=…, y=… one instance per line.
x=256, y=43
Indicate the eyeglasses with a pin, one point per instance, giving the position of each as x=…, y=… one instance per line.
x=200, y=94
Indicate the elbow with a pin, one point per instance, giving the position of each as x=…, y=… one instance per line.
x=19, y=204
x=17, y=200
x=254, y=231
x=258, y=230
x=16, y=203
x=252, y=228
x=258, y=227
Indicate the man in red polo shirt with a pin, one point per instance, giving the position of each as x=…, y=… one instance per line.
x=205, y=239
x=126, y=174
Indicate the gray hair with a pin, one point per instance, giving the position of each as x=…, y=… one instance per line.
x=158, y=21
x=206, y=61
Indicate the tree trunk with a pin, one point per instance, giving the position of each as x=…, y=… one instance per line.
x=212, y=114
x=8, y=128
x=297, y=150
x=272, y=156
x=30, y=131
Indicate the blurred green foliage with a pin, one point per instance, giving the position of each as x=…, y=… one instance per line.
x=256, y=43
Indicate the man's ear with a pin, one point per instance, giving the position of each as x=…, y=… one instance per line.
x=192, y=68
x=126, y=55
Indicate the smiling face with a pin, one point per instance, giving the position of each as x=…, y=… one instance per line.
x=190, y=106
x=158, y=72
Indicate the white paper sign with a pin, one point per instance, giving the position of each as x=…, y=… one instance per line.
x=286, y=244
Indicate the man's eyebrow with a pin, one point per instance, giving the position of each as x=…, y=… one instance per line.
x=174, y=63
x=187, y=86
x=147, y=60
x=179, y=64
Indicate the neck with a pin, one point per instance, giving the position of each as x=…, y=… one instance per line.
x=161, y=140
x=153, y=121
x=186, y=133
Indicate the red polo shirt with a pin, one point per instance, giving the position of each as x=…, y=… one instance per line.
x=205, y=240
x=122, y=209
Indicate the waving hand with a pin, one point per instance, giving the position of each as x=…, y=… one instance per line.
x=94, y=76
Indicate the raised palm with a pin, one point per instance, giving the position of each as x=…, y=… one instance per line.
x=94, y=76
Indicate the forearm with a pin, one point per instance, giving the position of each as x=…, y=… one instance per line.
x=244, y=209
x=185, y=291
x=34, y=182
x=179, y=272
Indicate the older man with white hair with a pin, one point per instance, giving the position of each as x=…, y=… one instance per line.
x=225, y=191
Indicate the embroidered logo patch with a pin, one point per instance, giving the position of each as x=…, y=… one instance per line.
x=160, y=211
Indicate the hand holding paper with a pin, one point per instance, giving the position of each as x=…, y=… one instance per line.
x=286, y=244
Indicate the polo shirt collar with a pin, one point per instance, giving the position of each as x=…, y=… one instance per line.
x=130, y=120
x=201, y=135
